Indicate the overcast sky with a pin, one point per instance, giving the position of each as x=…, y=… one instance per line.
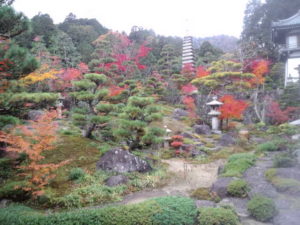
x=201, y=18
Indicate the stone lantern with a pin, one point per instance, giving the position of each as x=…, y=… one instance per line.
x=214, y=113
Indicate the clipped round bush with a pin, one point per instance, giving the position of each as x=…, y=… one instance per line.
x=238, y=188
x=217, y=216
x=262, y=208
x=76, y=173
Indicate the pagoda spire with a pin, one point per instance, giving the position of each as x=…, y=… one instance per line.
x=187, y=49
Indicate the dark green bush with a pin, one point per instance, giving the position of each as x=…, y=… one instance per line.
x=76, y=173
x=237, y=164
x=5, y=167
x=238, y=188
x=217, y=216
x=285, y=159
x=262, y=208
x=12, y=190
x=159, y=211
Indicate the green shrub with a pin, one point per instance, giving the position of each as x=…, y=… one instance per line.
x=267, y=147
x=12, y=190
x=159, y=211
x=76, y=173
x=217, y=216
x=201, y=194
x=175, y=211
x=237, y=164
x=282, y=129
x=273, y=145
x=8, y=120
x=262, y=208
x=285, y=159
x=238, y=188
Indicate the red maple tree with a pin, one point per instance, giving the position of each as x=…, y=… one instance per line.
x=202, y=72
x=277, y=115
x=190, y=105
x=188, y=89
x=232, y=108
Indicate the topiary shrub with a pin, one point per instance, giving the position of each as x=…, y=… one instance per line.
x=175, y=211
x=76, y=173
x=262, y=208
x=238, y=188
x=217, y=216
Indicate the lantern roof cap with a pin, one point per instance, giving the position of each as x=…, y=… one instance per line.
x=214, y=102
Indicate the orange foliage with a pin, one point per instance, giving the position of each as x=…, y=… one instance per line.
x=202, y=72
x=33, y=140
x=232, y=108
x=259, y=68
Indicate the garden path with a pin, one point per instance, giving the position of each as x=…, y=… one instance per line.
x=186, y=176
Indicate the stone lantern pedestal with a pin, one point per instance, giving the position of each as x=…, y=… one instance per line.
x=214, y=113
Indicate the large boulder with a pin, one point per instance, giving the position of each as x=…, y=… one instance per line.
x=220, y=186
x=227, y=139
x=179, y=113
x=122, y=161
x=202, y=129
x=116, y=180
x=34, y=114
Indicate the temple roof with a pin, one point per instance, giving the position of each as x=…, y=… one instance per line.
x=293, y=20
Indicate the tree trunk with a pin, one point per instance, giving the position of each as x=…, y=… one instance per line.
x=88, y=131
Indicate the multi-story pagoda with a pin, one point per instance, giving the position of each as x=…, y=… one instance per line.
x=187, y=52
x=286, y=33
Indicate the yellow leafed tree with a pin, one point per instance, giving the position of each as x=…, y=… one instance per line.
x=43, y=73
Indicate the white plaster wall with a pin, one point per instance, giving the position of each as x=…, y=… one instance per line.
x=292, y=74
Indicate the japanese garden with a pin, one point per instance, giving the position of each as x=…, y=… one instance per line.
x=103, y=127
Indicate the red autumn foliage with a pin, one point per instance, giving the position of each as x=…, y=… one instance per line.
x=177, y=137
x=176, y=144
x=116, y=90
x=259, y=68
x=4, y=67
x=83, y=68
x=188, y=88
x=277, y=115
x=232, y=108
x=34, y=139
x=190, y=105
x=188, y=71
x=65, y=78
x=202, y=72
